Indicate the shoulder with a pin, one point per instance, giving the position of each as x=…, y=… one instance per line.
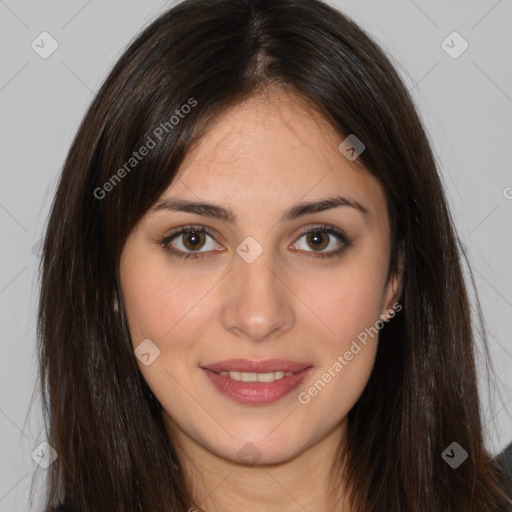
x=504, y=460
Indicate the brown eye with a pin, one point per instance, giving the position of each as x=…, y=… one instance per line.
x=322, y=237
x=318, y=240
x=193, y=240
x=189, y=242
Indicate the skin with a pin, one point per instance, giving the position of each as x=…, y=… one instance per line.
x=259, y=159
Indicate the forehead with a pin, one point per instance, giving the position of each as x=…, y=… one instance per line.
x=272, y=148
x=273, y=121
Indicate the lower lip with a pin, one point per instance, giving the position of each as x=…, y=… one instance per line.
x=256, y=393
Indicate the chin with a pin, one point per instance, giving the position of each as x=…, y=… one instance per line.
x=258, y=451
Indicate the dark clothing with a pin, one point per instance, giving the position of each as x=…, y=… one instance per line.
x=505, y=461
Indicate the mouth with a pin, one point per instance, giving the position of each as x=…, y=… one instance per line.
x=256, y=382
x=256, y=377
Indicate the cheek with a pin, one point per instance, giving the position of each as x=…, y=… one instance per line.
x=346, y=302
x=159, y=303
x=337, y=388
x=348, y=306
x=170, y=310
x=348, y=351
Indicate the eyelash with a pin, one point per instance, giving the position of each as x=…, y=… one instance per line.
x=202, y=229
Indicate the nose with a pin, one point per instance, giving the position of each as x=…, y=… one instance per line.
x=259, y=305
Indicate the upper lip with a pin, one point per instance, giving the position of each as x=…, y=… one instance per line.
x=246, y=365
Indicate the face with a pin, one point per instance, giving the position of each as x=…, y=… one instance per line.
x=278, y=296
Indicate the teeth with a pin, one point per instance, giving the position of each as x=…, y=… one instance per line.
x=266, y=377
x=248, y=377
x=256, y=377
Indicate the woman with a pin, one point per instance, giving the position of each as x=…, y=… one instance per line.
x=252, y=293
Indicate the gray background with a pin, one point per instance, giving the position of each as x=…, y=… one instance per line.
x=466, y=103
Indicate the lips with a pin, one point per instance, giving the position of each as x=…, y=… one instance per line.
x=235, y=379
x=246, y=365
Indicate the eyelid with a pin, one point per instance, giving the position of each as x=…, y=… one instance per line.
x=331, y=230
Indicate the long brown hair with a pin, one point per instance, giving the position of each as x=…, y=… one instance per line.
x=101, y=417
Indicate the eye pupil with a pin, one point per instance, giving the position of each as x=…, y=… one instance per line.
x=316, y=237
x=193, y=238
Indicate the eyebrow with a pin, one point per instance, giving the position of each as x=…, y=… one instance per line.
x=227, y=215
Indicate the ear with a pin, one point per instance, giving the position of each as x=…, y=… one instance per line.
x=394, y=286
